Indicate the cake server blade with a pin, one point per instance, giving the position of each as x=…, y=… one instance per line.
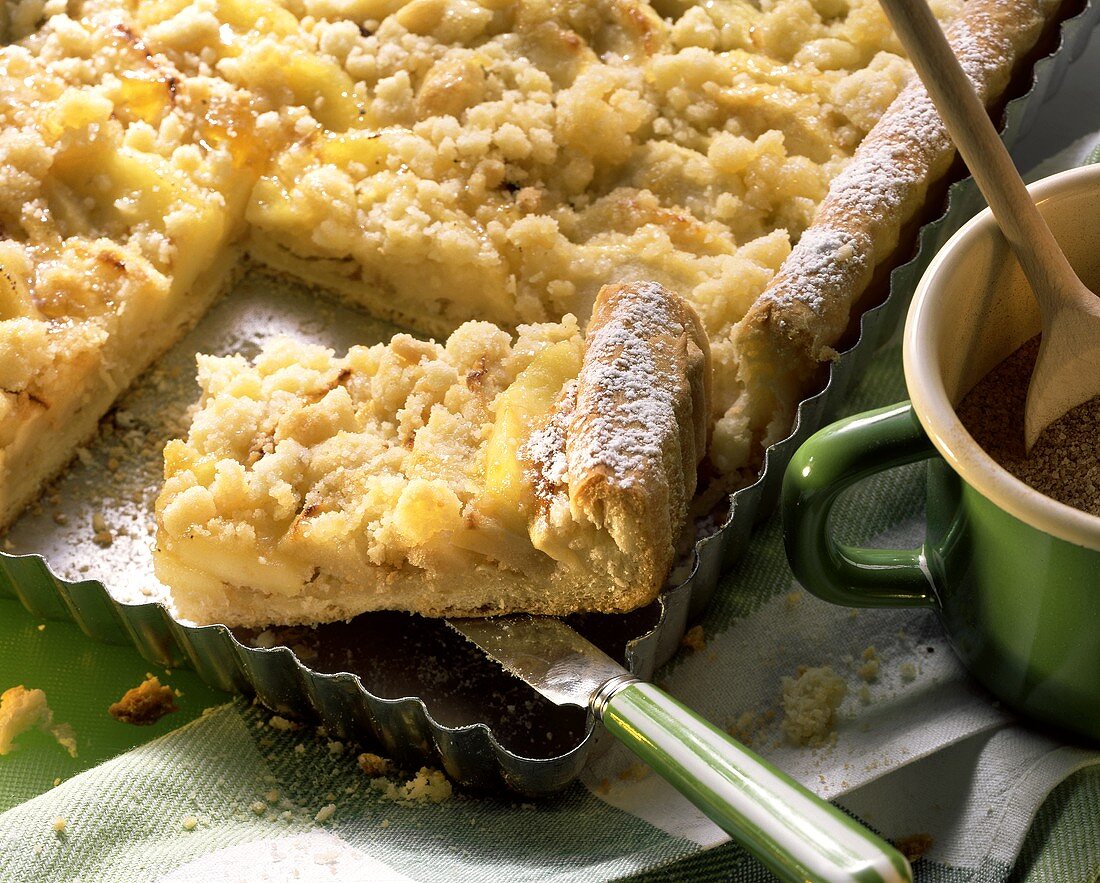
x=799, y=836
x=545, y=653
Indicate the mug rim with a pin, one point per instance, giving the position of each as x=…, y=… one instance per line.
x=929, y=396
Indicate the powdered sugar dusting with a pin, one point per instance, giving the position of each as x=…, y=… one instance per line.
x=626, y=404
x=621, y=419
x=824, y=260
x=873, y=195
x=545, y=449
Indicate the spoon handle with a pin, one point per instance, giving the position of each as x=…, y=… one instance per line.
x=1043, y=262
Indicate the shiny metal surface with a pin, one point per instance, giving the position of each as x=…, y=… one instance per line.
x=545, y=653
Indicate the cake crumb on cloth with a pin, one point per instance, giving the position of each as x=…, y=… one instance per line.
x=427, y=786
x=810, y=701
x=868, y=671
x=144, y=704
x=694, y=639
x=914, y=846
x=22, y=710
x=374, y=765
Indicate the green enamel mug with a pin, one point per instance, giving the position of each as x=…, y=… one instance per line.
x=1013, y=575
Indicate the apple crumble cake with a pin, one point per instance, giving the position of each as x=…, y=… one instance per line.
x=549, y=473
x=446, y=161
x=123, y=190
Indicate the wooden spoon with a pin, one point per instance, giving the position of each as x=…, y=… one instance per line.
x=1067, y=371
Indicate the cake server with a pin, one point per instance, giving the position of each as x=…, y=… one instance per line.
x=795, y=833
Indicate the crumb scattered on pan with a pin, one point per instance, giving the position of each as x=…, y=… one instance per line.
x=22, y=710
x=101, y=533
x=144, y=704
x=694, y=639
x=915, y=846
x=810, y=701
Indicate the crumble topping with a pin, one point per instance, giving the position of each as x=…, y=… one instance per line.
x=473, y=183
x=432, y=160
x=384, y=447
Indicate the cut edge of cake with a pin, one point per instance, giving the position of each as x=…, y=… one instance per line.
x=47, y=434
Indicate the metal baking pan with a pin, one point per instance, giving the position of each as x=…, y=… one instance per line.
x=409, y=684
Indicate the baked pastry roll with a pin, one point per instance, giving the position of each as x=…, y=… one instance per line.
x=549, y=473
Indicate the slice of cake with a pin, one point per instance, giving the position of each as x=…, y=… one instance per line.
x=549, y=473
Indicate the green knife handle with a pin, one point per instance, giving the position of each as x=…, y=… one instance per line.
x=799, y=836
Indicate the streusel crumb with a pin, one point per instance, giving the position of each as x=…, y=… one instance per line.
x=144, y=704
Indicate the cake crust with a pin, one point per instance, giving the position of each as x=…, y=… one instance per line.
x=632, y=432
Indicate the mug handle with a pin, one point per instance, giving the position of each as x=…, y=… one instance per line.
x=830, y=461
